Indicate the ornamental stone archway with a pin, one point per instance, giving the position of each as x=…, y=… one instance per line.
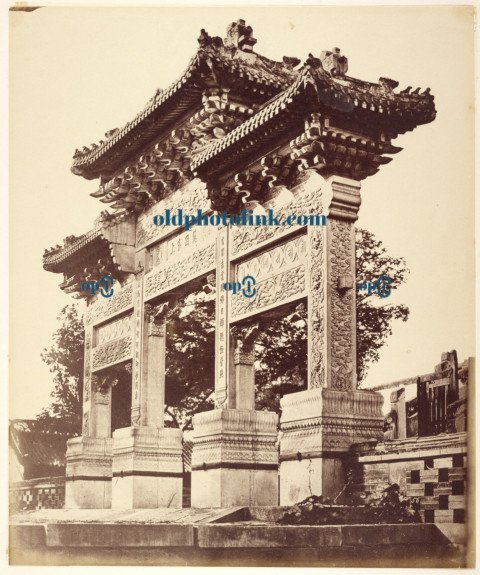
x=237, y=130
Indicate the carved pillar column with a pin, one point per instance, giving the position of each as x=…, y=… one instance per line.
x=147, y=458
x=223, y=398
x=101, y=408
x=89, y=457
x=319, y=425
x=235, y=458
x=244, y=359
x=153, y=388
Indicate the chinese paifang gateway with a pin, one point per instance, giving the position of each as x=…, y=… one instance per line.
x=236, y=130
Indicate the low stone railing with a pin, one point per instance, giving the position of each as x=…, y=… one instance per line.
x=39, y=493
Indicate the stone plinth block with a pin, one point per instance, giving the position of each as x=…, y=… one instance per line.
x=318, y=427
x=89, y=473
x=235, y=458
x=147, y=468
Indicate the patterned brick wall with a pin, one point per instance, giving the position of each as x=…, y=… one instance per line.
x=38, y=494
x=441, y=488
x=431, y=469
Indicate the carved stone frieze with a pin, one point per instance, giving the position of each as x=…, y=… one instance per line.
x=138, y=316
x=147, y=449
x=190, y=198
x=279, y=273
x=86, y=366
x=234, y=436
x=317, y=298
x=164, y=278
x=222, y=339
x=303, y=200
x=114, y=329
x=323, y=420
x=274, y=290
x=342, y=306
x=102, y=308
x=178, y=246
x=112, y=352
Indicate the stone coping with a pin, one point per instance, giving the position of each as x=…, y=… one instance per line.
x=131, y=516
x=413, y=448
x=225, y=535
x=244, y=543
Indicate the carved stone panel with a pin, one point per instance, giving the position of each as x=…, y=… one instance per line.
x=317, y=314
x=138, y=344
x=179, y=246
x=165, y=277
x=112, y=352
x=302, y=200
x=87, y=380
x=190, y=198
x=102, y=308
x=114, y=329
x=342, y=306
x=221, y=315
x=280, y=277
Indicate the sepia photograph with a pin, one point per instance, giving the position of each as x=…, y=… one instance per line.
x=241, y=286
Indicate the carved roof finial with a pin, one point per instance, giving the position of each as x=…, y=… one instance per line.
x=205, y=39
x=388, y=84
x=334, y=63
x=240, y=36
x=291, y=62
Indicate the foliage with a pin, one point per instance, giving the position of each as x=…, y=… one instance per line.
x=389, y=506
x=281, y=360
x=190, y=358
x=374, y=314
x=65, y=358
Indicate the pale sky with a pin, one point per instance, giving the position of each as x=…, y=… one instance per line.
x=77, y=72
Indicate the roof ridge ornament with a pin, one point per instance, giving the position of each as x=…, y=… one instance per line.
x=205, y=39
x=291, y=61
x=334, y=63
x=239, y=35
x=388, y=84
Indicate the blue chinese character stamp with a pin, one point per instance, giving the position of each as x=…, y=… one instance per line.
x=246, y=287
x=381, y=286
x=104, y=285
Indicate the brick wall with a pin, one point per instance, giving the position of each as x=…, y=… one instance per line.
x=432, y=469
x=43, y=493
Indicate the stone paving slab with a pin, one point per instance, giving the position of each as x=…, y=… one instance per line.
x=185, y=516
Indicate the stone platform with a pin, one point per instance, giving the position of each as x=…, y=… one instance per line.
x=238, y=536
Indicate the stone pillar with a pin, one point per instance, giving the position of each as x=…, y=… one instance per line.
x=244, y=359
x=235, y=458
x=397, y=401
x=147, y=457
x=319, y=425
x=89, y=457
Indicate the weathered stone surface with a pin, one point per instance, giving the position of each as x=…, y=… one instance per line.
x=147, y=468
x=118, y=535
x=214, y=536
x=235, y=459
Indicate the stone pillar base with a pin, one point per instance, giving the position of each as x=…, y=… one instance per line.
x=235, y=458
x=89, y=473
x=318, y=428
x=147, y=468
